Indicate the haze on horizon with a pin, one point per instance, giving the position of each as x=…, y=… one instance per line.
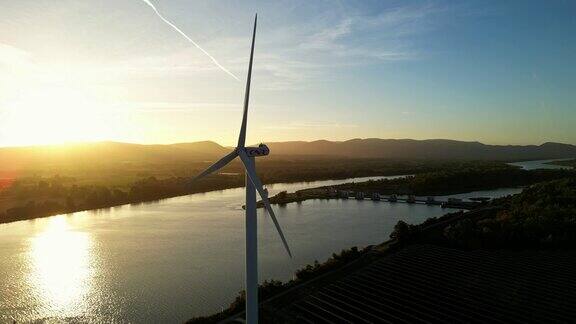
x=499, y=73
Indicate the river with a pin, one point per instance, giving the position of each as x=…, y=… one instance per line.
x=167, y=261
x=540, y=164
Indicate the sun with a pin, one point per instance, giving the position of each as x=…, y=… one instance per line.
x=55, y=114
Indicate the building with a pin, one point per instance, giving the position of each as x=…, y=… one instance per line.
x=332, y=192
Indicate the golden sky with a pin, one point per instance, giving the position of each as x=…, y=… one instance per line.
x=113, y=70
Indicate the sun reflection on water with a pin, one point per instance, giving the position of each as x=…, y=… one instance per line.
x=60, y=258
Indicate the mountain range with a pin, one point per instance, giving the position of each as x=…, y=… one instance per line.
x=424, y=149
x=115, y=152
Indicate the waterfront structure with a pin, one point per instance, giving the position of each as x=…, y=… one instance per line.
x=332, y=192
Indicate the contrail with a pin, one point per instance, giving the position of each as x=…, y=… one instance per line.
x=189, y=39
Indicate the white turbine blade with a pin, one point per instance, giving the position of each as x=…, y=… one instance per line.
x=251, y=171
x=218, y=165
x=242, y=137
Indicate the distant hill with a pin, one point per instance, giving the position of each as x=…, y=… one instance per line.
x=423, y=149
x=119, y=153
x=107, y=152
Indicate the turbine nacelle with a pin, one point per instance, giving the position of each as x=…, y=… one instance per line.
x=260, y=150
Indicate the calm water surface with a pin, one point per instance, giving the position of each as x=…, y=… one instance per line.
x=540, y=164
x=168, y=261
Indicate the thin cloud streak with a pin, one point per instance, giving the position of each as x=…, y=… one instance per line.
x=299, y=56
x=168, y=106
x=190, y=39
x=192, y=107
x=306, y=125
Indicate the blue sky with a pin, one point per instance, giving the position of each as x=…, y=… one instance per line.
x=493, y=71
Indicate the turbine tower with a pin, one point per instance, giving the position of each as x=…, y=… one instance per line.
x=247, y=156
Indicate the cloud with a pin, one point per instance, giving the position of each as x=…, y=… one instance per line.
x=173, y=106
x=354, y=37
x=310, y=124
x=300, y=52
x=383, y=36
x=295, y=49
x=181, y=106
x=326, y=39
x=14, y=57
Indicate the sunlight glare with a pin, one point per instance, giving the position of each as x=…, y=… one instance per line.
x=61, y=266
x=54, y=114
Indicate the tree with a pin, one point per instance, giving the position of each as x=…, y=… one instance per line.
x=401, y=231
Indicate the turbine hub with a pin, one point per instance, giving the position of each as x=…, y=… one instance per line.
x=260, y=150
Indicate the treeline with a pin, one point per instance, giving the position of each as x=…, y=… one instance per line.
x=568, y=163
x=542, y=216
x=53, y=196
x=274, y=170
x=34, y=196
x=466, y=179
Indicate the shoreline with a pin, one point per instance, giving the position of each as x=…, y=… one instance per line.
x=4, y=219
x=152, y=190
x=324, y=193
x=340, y=264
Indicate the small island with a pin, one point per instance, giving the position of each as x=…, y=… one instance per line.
x=411, y=189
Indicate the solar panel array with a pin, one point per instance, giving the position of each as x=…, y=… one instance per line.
x=431, y=284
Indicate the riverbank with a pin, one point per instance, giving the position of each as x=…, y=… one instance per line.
x=36, y=197
x=170, y=242
x=427, y=184
x=541, y=218
x=329, y=193
x=54, y=198
x=77, y=199
x=273, y=293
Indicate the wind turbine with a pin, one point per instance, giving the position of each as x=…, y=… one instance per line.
x=253, y=184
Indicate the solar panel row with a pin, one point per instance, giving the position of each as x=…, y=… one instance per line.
x=431, y=284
